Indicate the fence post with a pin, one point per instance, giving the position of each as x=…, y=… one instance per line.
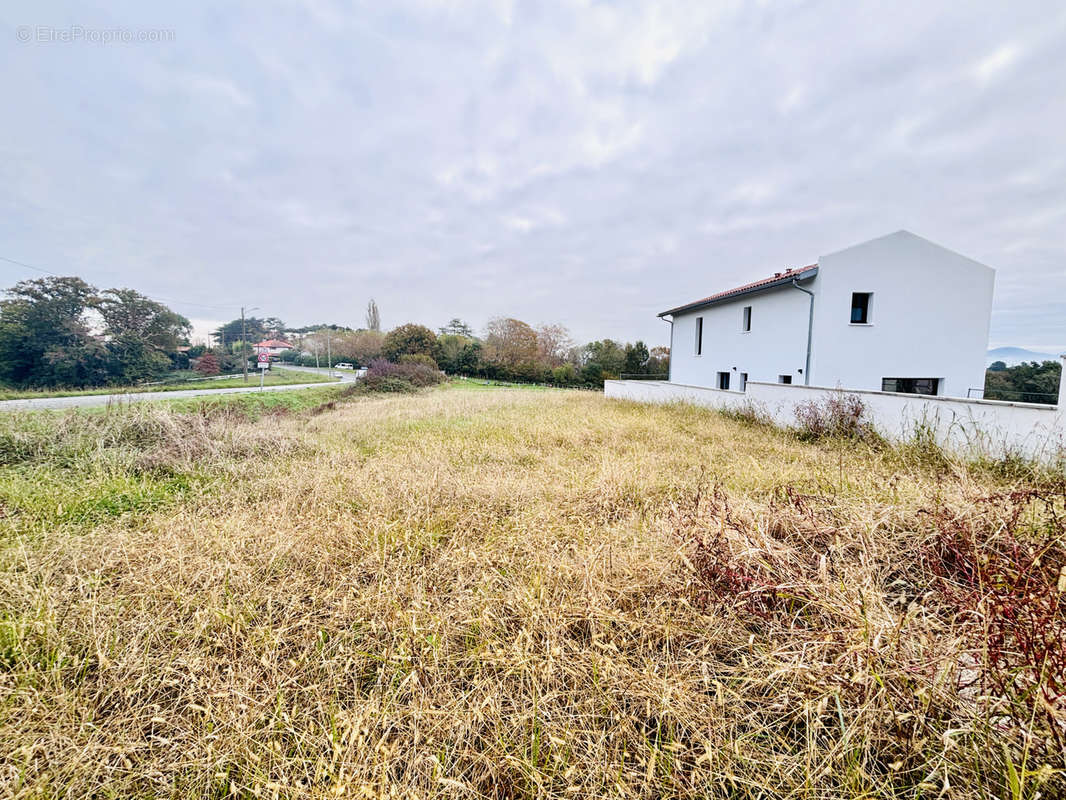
x=1062, y=384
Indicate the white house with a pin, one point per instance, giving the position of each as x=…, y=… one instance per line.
x=896, y=314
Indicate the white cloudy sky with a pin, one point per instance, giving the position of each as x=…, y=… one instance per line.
x=589, y=163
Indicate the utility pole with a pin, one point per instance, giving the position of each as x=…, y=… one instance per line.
x=244, y=342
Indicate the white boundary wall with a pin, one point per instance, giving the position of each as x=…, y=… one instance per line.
x=969, y=427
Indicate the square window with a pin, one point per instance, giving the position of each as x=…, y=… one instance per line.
x=784, y=379
x=699, y=335
x=746, y=322
x=723, y=380
x=860, y=307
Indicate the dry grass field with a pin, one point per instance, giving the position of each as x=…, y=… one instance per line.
x=510, y=593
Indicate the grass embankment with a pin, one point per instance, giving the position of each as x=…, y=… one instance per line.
x=273, y=378
x=516, y=594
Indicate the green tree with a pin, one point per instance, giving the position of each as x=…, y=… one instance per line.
x=409, y=339
x=275, y=328
x=1031, y=382
x=255, y=330
x=604, y=359
x=457, y=354
x=456, y=327
x=44, y=335
x=636, y=358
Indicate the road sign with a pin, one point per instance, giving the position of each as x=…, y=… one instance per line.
x=264, y=360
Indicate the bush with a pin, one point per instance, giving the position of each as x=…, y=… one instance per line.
x=387, y=383
x=565, y=375
x=837, y=416
x=418, y=375
x=418, y=358
x=208, y=364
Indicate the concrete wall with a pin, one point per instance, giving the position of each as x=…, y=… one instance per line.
x=929, y=316
x=775, y=345
x=969, y=427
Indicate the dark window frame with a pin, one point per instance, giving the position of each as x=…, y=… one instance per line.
x=743, y=382
x=785, y=379
x=723, y=381
x=699, y=336
x=860, y=307
x=745, y=319
x=924, y=386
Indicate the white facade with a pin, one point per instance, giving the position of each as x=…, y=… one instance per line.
x=928, y=313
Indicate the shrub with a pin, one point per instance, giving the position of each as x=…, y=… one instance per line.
x=387, y=383
x=565, y=375
x=208, y=364
x=837, y=416
x=418, y=375
x=748, y=413
x=418, y=358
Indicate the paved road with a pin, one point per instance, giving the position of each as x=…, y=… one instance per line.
x=92, y=400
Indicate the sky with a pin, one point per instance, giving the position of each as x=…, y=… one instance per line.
x=584, y=163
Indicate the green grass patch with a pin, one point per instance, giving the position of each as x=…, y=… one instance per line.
x=279, y=378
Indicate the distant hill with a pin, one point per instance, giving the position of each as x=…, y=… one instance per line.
x=1016, y=355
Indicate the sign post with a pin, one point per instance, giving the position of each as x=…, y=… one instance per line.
x=264, y=365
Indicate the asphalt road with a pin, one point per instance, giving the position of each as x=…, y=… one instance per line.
x=94, y=400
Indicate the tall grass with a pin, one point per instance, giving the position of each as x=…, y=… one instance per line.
x=525, y=594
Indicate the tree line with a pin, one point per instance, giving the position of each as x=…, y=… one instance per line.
x=509, y=350
x=1028, y=382
x=65, y=332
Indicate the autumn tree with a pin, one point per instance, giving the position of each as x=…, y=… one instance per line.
x=360, y=347
x=510, y=342
x=553, y=345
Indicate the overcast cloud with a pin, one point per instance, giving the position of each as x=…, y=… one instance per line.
x=584, y=163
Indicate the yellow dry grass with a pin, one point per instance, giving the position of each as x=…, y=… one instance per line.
x=463, y=594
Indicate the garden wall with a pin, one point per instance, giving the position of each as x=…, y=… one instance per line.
x=969, y=427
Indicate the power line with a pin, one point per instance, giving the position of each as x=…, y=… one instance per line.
x=157, y=299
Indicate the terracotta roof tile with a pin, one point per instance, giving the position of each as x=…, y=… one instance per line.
x=777, y=278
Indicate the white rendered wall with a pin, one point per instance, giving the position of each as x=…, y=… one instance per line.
x=929, y=316
x=970, y=427
x=776, y=344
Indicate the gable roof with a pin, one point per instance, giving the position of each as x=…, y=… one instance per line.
x=774, y=281
x=273, y=343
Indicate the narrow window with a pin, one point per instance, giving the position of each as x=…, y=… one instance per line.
x=723, y=380
x=784, y=379
x=911, y=385
x=860, y=307
x=746, y=324
x=743, y=381
x=699, y=336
